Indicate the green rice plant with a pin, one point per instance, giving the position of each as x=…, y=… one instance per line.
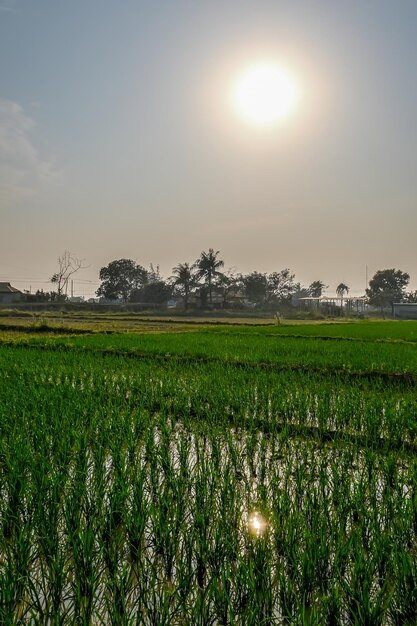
x=149, y=490
x=403, y=609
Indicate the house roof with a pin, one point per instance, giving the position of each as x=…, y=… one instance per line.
x=7, y=288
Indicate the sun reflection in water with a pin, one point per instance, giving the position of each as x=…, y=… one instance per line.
x=256, y=524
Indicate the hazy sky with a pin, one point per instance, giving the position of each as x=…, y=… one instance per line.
x=118, y=138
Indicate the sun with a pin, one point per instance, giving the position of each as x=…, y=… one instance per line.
x=264, y=94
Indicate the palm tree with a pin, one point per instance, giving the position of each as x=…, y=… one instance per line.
x=341, y=290
x=207, y=267
x=316, y=289
x=184, y=279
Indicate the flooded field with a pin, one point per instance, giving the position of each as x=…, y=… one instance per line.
x=141, y=490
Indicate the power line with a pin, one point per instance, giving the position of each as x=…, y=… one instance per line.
x=38, y=280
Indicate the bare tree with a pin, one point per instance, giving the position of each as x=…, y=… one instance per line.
x=68, y=264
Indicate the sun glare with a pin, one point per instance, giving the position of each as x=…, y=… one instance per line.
x=256, y=524
x=264, y=94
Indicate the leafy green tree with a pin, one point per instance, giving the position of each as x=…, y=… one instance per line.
x=184, y=281
x=281, y=286
x=207, y=267
x=299, y=292
x=411, y=297
x=255, y=287
x=227, y=286
x=119, y=278
x=269, y=289
x=153, y=292
x=386, y=287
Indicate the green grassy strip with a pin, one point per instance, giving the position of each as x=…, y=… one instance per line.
x=398, y=379
x=313, y=353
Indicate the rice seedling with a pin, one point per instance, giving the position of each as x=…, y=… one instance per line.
x=138, y=490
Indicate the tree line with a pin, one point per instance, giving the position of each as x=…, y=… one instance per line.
x=207, y=282
x=124, y=280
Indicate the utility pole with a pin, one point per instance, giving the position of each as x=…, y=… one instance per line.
x=72, y=288
x=366, y=276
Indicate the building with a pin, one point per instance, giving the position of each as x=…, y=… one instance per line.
x=404, y=311
x=9, y=294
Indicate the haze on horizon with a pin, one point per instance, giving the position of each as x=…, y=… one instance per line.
x=119, y=138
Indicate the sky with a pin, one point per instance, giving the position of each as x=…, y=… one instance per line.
x=118, y=138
